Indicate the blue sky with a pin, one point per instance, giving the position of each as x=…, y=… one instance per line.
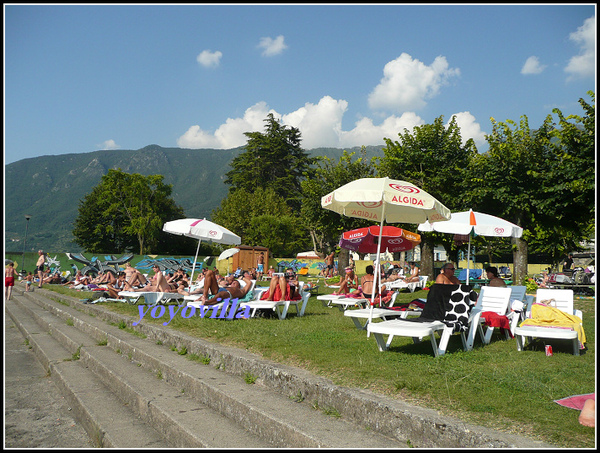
x=82, y=78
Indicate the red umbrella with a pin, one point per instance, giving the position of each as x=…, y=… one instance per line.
x=364, y=240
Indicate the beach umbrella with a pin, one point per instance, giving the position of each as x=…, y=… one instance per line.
x=468, y=222
x=384, y=199
x=366, y=240
x=203, y=230
x=228, y=253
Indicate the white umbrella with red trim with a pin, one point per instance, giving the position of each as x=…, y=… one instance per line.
x=468, y=222
x=203, y=230
x=380, y=199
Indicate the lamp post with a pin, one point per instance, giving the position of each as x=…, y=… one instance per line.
x=27, y=217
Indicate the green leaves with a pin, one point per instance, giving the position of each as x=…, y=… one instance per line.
x=123, y=211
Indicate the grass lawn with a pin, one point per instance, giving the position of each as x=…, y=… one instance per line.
x=493, y=385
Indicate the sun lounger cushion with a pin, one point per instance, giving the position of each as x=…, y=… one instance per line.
x=545, y=316
x=277, y=294
x=450, y=304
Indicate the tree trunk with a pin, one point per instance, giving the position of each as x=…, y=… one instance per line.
x=427, y=257
x=343, y=260
x=519, y=260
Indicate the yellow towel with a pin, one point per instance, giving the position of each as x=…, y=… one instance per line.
x=545, y=316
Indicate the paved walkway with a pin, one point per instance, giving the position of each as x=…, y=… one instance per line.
x=36, y=415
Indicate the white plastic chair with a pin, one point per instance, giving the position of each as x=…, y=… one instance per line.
x=496, y=300
x=563, y=300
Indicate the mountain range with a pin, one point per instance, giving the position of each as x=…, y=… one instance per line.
x=49, y=188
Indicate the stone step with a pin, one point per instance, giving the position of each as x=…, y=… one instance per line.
x=274, y=418
x=107, y=421
x=268, y=408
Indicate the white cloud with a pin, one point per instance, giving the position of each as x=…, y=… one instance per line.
x=320, y=126
x=532, y=66
x=230, y=134
x=272, y=46
x=209, y=59
x=108, y=144
x=584, y=64
x=469, y=128
x=407, y=83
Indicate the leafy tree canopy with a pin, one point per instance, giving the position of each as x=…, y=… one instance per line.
x=271, y=160
x=124, y=211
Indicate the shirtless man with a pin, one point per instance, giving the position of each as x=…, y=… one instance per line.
x=447, y=276
x=492, y=275
x=159, y=284
x=232, y=291
x=260, y=267
x=329, y=262
x=40, y=267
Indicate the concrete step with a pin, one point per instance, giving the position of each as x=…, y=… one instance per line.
x=267, y=409
x=172, y=404
x=180, y=420
x=107, y=421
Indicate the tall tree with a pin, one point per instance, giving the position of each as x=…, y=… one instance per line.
x=565, y=205
x=239, y=208
x=542, y=180
x=122, y=210
x=325, y=226
x=434, y=158
x=274, y=160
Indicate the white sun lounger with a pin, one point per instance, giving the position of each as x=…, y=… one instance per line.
x=150, y=297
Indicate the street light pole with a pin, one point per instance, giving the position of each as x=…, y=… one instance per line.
x=27, y=217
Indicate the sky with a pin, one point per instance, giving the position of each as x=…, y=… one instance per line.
x=82, y=78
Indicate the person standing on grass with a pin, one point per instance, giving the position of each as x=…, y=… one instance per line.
x=9, y=280
x=40, y=267
x=329, y=260
x=260, y=266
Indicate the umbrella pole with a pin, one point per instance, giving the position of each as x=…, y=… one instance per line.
x=468, y=258
x=195, y=259
x=377, y=273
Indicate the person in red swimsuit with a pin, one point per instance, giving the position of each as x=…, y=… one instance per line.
x=9, y=280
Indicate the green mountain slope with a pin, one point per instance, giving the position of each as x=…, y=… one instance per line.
x=49, y=188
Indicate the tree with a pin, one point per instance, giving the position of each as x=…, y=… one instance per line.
x=325, y=226
x=434, y=158
x=542, y=180
x=239, y=208
x=272, y=160
x=124, y=210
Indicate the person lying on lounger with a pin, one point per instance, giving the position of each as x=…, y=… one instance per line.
x=117, y=286
x=159, y=284
x=212, y=291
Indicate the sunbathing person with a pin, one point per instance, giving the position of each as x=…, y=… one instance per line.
x=349, y=282
x=235, y=291
x=119, y=285
x=282, y=287
x=129, y=271
x=137, y=279
x=367, y=283
x=414, y=273
x=492, y=275
x=447, y=276
x=199, y=286
x=211, y=290
x=159, y=283
x=104, y=278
